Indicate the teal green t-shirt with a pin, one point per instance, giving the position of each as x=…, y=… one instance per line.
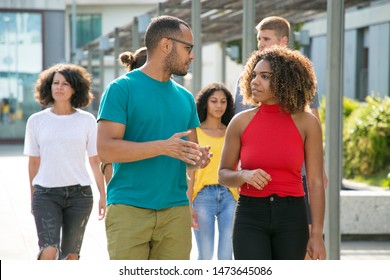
x=151, y=110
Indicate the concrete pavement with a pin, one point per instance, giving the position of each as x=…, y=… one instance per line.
x=18, y=239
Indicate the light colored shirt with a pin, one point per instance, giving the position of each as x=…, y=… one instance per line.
x=62, y=142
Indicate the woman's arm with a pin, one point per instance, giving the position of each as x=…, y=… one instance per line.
x=325, y=176
x=314, y=173
x=106, y=169
x=190, y=191
x=94, y=162
x=33, y=167
x=228, y=174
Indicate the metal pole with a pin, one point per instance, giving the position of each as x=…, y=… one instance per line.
x=103, y=46
x=135, y=35
x=8, y=60
x=334, y=123
x=197, y=63
x=101, y=71
x=74, y=32
x=89, y=59
x=223, y=63
x=160, y=9
x=292, y=38
x=116, y=52
x=248, y=29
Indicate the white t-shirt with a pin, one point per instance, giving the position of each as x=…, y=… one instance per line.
x=61, y=142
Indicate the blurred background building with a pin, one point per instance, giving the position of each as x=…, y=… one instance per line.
x=35, y=34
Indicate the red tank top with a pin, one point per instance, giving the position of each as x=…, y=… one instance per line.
x=272, y=142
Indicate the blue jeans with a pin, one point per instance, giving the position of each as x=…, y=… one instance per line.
x=62, y=213
x=214, y=202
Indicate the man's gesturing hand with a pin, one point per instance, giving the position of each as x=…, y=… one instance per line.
x=187, y=151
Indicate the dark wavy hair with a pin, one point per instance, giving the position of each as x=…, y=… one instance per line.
x=293, y=81
x=78, y=78
x=134, y=60
x=203, y=96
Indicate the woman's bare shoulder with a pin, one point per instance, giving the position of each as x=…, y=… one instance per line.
x=305, y=117
x=244, y=117
x=241, y=120
x=306, y=121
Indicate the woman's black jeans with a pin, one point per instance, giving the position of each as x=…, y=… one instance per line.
x=270, y=228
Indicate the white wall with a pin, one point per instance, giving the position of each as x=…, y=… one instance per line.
x=379, y=59
x=113, y=14
x=377, y=18
x=318, y=57
x=33, y=4
x=350, y=64
x=116, y=13
x=211, y=64
x=233, y=72
x=212, y=67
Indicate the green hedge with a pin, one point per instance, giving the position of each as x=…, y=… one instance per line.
x=366, y=136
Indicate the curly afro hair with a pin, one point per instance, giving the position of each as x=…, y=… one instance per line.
x=293, y=81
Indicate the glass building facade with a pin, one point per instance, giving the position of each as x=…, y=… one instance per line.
x=32, y=38
x=21, y=61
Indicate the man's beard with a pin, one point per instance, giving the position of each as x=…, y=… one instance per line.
x=173, y=65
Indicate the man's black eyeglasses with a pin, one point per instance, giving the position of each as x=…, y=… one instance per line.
x=182, y=42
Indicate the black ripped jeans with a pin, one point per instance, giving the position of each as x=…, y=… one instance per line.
x=61, y=216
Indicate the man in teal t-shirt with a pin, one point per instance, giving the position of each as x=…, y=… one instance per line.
x=147, y=129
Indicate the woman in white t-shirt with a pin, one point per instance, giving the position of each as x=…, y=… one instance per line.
x=57, y=141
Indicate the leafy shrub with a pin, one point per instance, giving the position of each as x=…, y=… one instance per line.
x=367, y=138
x=349, y=106
x=387, y=183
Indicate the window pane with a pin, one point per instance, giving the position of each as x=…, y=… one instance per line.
x=20, y=64
x=89, y=27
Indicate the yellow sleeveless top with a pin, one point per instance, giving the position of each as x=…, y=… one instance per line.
x=209, y=174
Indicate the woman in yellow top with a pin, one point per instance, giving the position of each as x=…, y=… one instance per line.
x=5, y=110
x=211, y=201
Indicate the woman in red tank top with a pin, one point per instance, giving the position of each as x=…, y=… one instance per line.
x=270, y=142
